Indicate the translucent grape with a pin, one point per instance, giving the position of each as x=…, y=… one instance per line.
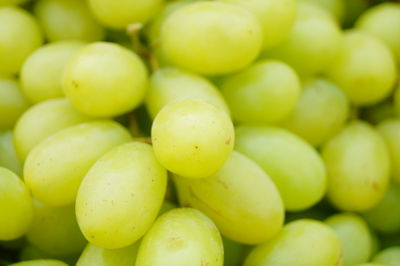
x=40, y=263
x=390, y=256
x=8, y=155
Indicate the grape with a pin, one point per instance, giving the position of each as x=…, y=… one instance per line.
x=109, y=204
x=335, y=7
x=265, y=92
x=67, y=20
x=42, y=71
x=240, y=198
x=390, y=130
x=302, y=242
x=354, y=237
x=181, y=237
x=211, y=38
x=390, y=256
x=364, y=69
x=55, y=168
x=40, y=263
x=15, y=205
x=276, y=17
x=8, y=155
x=320, y=113
x=357, y=162
x=192, y=138
x=294, y=166
x=170, y=84
x=19, y=36
x=111, y=90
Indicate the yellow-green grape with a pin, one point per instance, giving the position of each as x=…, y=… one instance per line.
x=12, y=2
x=385, y=217
x=383, y=22
x=12, y=102
x=357, y=163
x=313, y=42
x=42, y=71
x=170, y=84
x=320, y=113
x=295, y=167
x=8, y=155
x=302, y=242
x=39, y=263
x=192, y=138
x=19, y=36
x=240, y=198
x=276, y=17
x=110, y=203
x=166, y=206
x=364, y=68
x=122, y=13
x=95, y=256
x=265, y=92
x=354, y=235
x=181, y=237
x=390, y=256
x=211, y=38
x=234, y=252
x=67, y=20
x=335, y=7
x=55, y=231
x=390, y=130
x=55, y=168
x=15, y=205
x=105, y=79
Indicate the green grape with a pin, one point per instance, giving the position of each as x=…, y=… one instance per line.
x=12, y=2
x=67, y=20
x=234, y=253
x=105, y=79
x=313, y=42
x=390, y=256
x=170, y=84
x=109, y=204
x=15, y=205
x=354, y=236
x=120, y=14
x=383, y=22
x=40, y=263
x=302, y=242
x=390, y=130
x=19, y=36
x=192, y=138
x=181, y=237
x=357, y=163
x=42, y=71
x=211, y=38
x=55, y=168
x=166, y=206
x=55, y=231
x=276, y=17
x=240, y=199
x=295, y=167
x=12, y=102
x=265, y=92
x=8, y=155
x=385, y=217
x=335, y=7
x=364, y=69
x=320, y=113
x=95, y=256
x=43, y=120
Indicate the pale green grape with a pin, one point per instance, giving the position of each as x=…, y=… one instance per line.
x=234, y=252
x=383, y=22
x=295, y=167
x=67, y=20
x=302, y=242
x=40, y=263
x=43, y=120
x=105, y=79
x=265, y=92
x=335, y=7
x=390, y=130
x=390, y=256
x=276, y=17
x=354, y=236
x=55, y=168
x=120, y=196
x=122, y=13
x=313, y=42
x=192, y=138
x=8, y=155
x=358, y=165
x=320, y=113
x=170, y=84
x=42, y=71
x=364, y=69
x=19, y=36
x=211, y=38
x=240, y=198
x=15, y=205
x=181, y=237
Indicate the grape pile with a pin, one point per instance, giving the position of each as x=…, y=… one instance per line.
x=200, y=132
